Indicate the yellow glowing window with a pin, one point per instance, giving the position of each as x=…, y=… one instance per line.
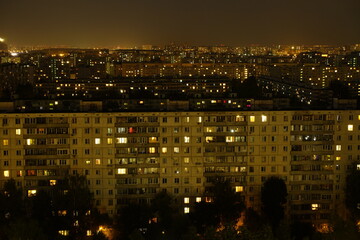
x=6, y=173
x=52, y=182
x=164, y=150
x=199, y=119
x=18, y=131
x=239, y=188
x=88, y=233
x=263, y=118
x=31, y=193
x=186, y=139
x=198, y=199
x=186, y=210
x=121, y=171
x=152, y=150
x=97, y=161
x=87, y=161
x=209, y=139
x=230, y=138
x=314, y=206
x=338, y=147
x=64, y=232
x=186, y=200
x=109, y=140
x=350, y=127
x=186, y=160
x=176, y=149
x=239, y=118
x=153, y=140
x=5, y=142
x=121, y=140
x=97, y=141
x=252, y=118
x=337, y=158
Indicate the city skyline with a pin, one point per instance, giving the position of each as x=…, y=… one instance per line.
x=127, y=24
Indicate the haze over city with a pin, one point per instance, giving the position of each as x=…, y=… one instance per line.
x=111, y=23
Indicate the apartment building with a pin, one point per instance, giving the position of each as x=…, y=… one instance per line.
x=130, y=156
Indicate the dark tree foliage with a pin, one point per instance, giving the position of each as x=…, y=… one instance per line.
x=224, y=210
x=161, y=206
x=273, y=198
x=73, y=199
x=132, y=218
x=352, y=193
x=253, y=220
x=204, y=216
x=227, y=202
x=11, y=201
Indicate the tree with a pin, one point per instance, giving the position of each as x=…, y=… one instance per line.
x=225, y=210
x=273, y=198
x=227, y=202
x=73, y=205
x=11, y=201
x=352, y=193
x=132, y=218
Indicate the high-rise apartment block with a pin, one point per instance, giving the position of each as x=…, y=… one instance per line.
x=130, y=156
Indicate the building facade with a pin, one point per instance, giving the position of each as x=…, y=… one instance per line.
x=130, y=156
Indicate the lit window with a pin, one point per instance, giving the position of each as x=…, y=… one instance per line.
x=263, y=118
x=239, y=188
x=31, y=193
x=109, y=140
x=152, y=150
x=88, y=233
x=198, y=199
x=252, y=118
x=239, y=118
x=357, y=167
x=186, y=200
x=97, y=140
x=337, y=158
x=153, y=140
x=314, y=206
x=87, y=161
x=230, y=138
x=5, y=142
x=199, y=119
x=186, y=139
x=97, y=161
x=18, y=131
x=186, y=210
x=164, y=150
x=64, y=232
x=186, y=160
x=121, y=140
x=6, y=173
x=176, y=149
x=52, y=182
x=121, y=171
x=350, y=127
x=338, y=148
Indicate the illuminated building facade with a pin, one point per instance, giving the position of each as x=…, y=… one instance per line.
x=131, y=156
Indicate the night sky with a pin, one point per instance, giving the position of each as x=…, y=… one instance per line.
x=128, y=23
